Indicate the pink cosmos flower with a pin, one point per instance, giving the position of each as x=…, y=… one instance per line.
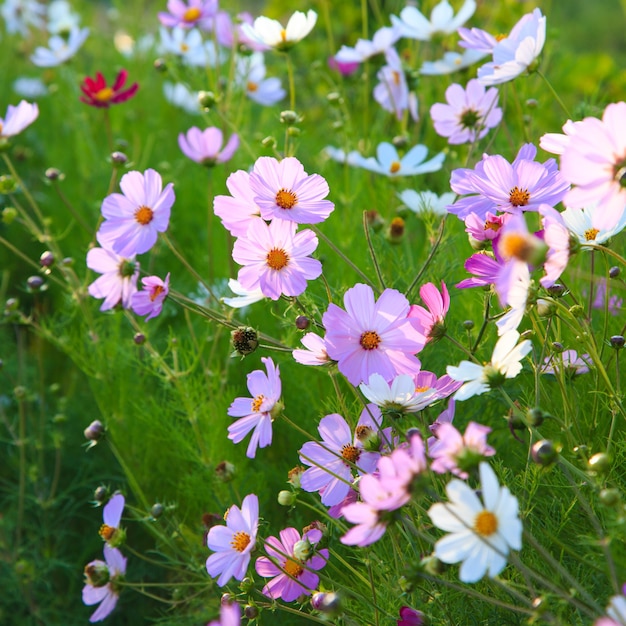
x=443, y=386
x=276, y=259
x=258, y=412
x=567, y=362
x=282, y=189
x=290, y=563
x=445, y=417
x=345, y=68
x=400, y=397
x=373, y=337
x=315, y=353
x=110, y=530
x=194, y=13
x=230, y=615
x=556, y=236
x=469, y=114
x=234, y=542
x=484, y=228
x=398, y=470
x=205, y=146
x=594, y=161
x=150, y=300
x=101, y=582
x=118, y=281
x=238, y=211
x=17, y=118
x=392, y=91
x=333, y=460
x=599, y=302
x=556, y=143
x=453, y=452
x=433, y=317
x=134, y=218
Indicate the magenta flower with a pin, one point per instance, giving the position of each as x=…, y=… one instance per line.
x=594, y=161
x=101, y=582
x=205, y=146
x=282, y=189
x=276, y=259
x=333, y=460
x=135, y=217
x=118, y=281
x=234, y=542
x=194, y=13
x=432, y=318
x=372, y=337
x=18, y=118
x=315, y=353
x=149, y=301
x=486, y=227
x=110, y=530
x=258, y=412
x=485, y=269
x=469, y=114
x=98, y=94
x=238, y=211
x=290, y=562
x=230, y=615
x=410, y=617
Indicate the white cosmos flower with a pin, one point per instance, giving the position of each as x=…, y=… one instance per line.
x=244, y=297
x=415, y=25
x=481, y=533
x=60, y=49
x=617, y=609
x=451, y=62
x=181, y=96
x=272, y=33
x=505, y=363
x=382, y=41
x=426, y=201
x=400, y=397
x=580, y=223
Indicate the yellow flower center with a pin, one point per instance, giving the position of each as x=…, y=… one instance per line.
x=104, y=95
x=370, y=340
x=515, y=245
x=292, y=568
x=591, y=234
x=107, y=532
x=157, y=290
x=486, y=523
x=144, y=215
x=396, y=78
x=277, y=258
x=283, y=35
x=240, y=541
x=257, y=402
x=250, y=86
x=350, y=453
x=192, y=14
x=519, y=197
x=184, y=48
x=495, y=226
x=421, y=389
x=394, y=167
x=286, y=199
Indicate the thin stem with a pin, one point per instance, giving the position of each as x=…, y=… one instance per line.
x=410, y=288
x=555, y=94
x=370, y=247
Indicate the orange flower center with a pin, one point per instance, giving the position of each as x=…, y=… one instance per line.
x=240, y=541
x=292, y=568
x=591, y=234
x=362, y=432
x=519, y=197
x=192, y=14
x=370, y=340
x=495, y=226
x=286, y=199
x=144, y=215
x=277, y=258
x=107, y=532
x=104, y=94
x=394, y=167
x=350, y=453
x=155, y=292
x=421, y=389
x=516, y=245
x=486, y=523
x=250, y=86
x=396, y=77
x=257, y=402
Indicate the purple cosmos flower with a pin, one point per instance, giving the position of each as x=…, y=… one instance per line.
x=110, y=530
x=445, y=417
x=134, y=217
x=118, y=281
x=149, y=301
x=238, y=211
x=199, y=13
x=443, y=386
x=485, y=269
x=18, y=118
x=410, y=617
x=276, y=259
x=567, y=362
x=373, y=337
x=392, y=92
x=345, y=68
x=234, y=542
x=205, y=146
x=315, y=353
x=230, y=615
x=258, y=412
x=615, y=302
x=485, y=228
x=290, y=562
x=333, y=459
x=433, y=317
x=469, y=114
x=250, y=76
x=282, y=189
x=101, y=579
x=477, y=39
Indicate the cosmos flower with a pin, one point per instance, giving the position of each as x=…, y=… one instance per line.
x=426, y=201
x=616, y=612
x=188, y=45
x=17, y=118
x=272, y=33
x=250, y=76
x=410, y=617
x=101, y=582
x=315, y=353
x=19, y=15
x=110, y=530
x=399, y=397
x=205, y=146
x=238, y=210
x=382, y=41
x=193, y=13
x=61, y=18
x=133, y=219
x=432, y=318
x=567, y=362
x=481, y=532
x=149, y=301
x=243, y=297
x=451, y=62
x=230, y=615
x=60, y=49
x=98, y=94
x=29, y=87
x=233, y=543
x=392, y=91
x=119, y=277
x=413, y=24
x=181, y=96
x=580, y=223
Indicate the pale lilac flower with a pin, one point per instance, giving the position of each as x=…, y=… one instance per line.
x=481, y=532
x=413, y=24
x=426, y=201
x=445, y=417
x=110, y=530
x=469, y=114
x=276, y=259
x=477, y=40
x=382, y=41
x=60, y=49
x=149, y=301
x=205, y=146
x=594, y=161
x=101, y=582
x=451, y=62
x=258, y=412
x=250, y=76
x=29, y=87
x=118, y=281
x=186, y=44
x=273, y=34
x=372, y=337
x=200, y=13
x=505, y=363
x=181, y=96
x=556, y=236
x=580, y=222
x=315, y=353
x=614, y=304
x=399, y=397
x=282, y=189
x=392, y=91
x=239, y=210
x=17, y=118
x=233, y=543
x=333, y=460
x=230, y=615
x=292, y=576
x=453, y=452
x=19, y=15
x=229, y=34
x=243, y=297
x=516, y=53
x=513, y=288
x=134, y=218
x=556, y=143
x=61, y=18
x=433, y=317
x=567, y=362
x=398, y=470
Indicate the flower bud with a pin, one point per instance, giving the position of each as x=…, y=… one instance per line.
x=556, y=290
x=118, y=158
x=302, y=322
x=614, y=272
x=8, y=184
x=286, y=498
x=226, y=598
x=139, y=339
x=432, y=565
x=292, y=131
x=246, y=585
x=225, y=471
x=334, y=98
x=52, y=173
x=35, y=283
x=599, y=463
x=288, y=117
x=557, y=347
x=468, y=324
x=374, y=220
x=544, y=453
x=536, y=416
x=8, y=215
x=20, y=392
x=328, y=603
x=250, y=611
x=160, y=65
x=268, y=142
x=617, y=342
x=95, y=431
x=545, y=308
x=100, y=494
x=157, y=510
x=245, y=340
x=395, y=232
x=609, y=497
x=400, y=141
x=11, y=305
x=97, y=574
x=532, y=103
x=303, y=550
x=577, y=310
x=46, y=259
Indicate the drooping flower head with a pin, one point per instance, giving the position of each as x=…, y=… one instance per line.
x=110, y=530
x=17, y=118
x=233, y=543
x=273, y=34
x=102, y=582
x=149, y=301
x=133, y=219
x=118, y=281
x=98, y=94
x=205, y=146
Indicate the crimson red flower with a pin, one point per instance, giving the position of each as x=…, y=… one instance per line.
x=98, y=94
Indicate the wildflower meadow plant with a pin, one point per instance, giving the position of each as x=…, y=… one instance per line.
x=365, y=366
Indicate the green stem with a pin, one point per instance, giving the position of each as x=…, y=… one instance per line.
x=433, y=250
x=554, y=93
x=370, y=247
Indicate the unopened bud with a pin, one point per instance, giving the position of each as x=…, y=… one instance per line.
x=617, y=342
x=100, y=494
x=374, y=220
x=139, y=339
x=556, y=290
x=157, y=510
x=327, y=603
x=302, y=322
x=118, y=158
x=557, y=347
x=250, y=611
x=268, y=142
x=207, y=99
x=8, y=184
x=46, y=259
x=293, y=131
x=52, y=173
x=8, y=215
x=609, y=497
x=395, y=233
x=334, y=98
x=35, y=283
x=11, y=305
x=245, y=340
x=400, y=141
x=468, y=324
x=288, y=117
x=532, y=103
x=599, y=463
x=577, y=310
x=94, y=431
x=544, y=453
x=614, y=272
x=545, y=308
x=286, y=498
x=536, y=416
x=160, y=65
